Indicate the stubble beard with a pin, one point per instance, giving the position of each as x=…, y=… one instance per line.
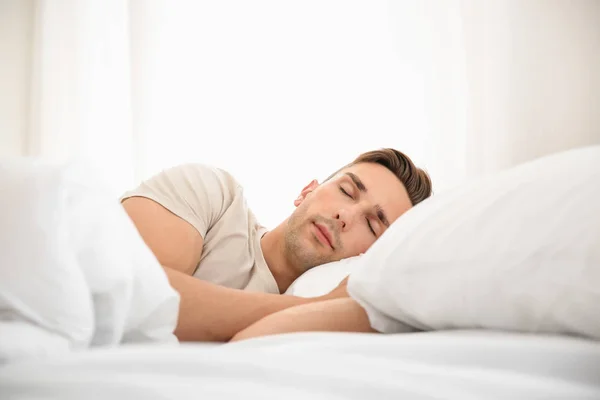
x=302, y=256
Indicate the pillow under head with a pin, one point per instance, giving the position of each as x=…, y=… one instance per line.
x=321, y=280
x=517, y=250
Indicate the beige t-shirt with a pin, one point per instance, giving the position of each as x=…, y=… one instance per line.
x=212, y=201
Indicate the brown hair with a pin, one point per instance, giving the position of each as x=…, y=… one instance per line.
x=416, y=181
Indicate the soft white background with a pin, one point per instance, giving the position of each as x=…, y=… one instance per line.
x=280, y=92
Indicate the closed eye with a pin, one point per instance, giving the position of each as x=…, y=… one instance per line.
x=344, y=191
x=371, y=227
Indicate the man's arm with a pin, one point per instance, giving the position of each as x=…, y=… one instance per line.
x=210, y=312
x=173, y=241
x=337, y=315
x=207, y=312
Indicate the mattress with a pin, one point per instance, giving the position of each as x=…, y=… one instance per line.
x=435, y=365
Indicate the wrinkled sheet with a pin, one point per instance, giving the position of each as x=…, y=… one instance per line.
x=433, y=365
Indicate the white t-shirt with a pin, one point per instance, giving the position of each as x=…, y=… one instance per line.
x=212, y=201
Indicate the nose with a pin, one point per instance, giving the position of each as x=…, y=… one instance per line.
x=345, y=217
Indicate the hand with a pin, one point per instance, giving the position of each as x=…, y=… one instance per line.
x=339, y=291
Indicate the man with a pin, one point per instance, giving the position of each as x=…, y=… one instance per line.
x=229, y=269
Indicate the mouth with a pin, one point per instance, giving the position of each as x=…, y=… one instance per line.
x=323, y=235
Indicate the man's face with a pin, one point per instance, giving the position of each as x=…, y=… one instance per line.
x=344, y=216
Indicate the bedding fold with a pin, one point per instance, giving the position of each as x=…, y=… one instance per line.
x=74, y=272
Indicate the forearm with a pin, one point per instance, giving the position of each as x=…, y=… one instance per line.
x=209, y=312
x=338, y=315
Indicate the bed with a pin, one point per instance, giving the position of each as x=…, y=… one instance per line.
x=506, y=307
x=435, y=365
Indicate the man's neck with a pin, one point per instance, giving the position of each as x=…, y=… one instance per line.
x=273, y=245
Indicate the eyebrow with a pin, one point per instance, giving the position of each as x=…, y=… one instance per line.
x=361, y=187
x=357, y=182
x=381, y=216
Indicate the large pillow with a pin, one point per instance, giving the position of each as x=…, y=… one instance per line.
x=323, y=279
x=518, y=250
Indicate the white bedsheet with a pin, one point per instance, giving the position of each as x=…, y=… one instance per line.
x=435, y=365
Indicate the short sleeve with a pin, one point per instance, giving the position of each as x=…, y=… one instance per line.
x=198, y=193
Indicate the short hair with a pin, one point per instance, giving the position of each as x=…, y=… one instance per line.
x=416, y=181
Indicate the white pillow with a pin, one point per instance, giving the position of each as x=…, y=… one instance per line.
x=323, y=279
x=518, y=250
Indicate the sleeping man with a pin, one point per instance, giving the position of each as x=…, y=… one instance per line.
x=230, y=271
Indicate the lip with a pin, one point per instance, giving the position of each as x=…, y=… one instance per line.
x=324, y=235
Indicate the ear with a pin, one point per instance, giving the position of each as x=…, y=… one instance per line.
x=307, y=189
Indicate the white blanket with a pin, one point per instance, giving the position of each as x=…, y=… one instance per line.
x=74, y=272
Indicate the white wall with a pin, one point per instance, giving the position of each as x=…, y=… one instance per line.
x=534, y=70
x=218, y=79
x=16, y=17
